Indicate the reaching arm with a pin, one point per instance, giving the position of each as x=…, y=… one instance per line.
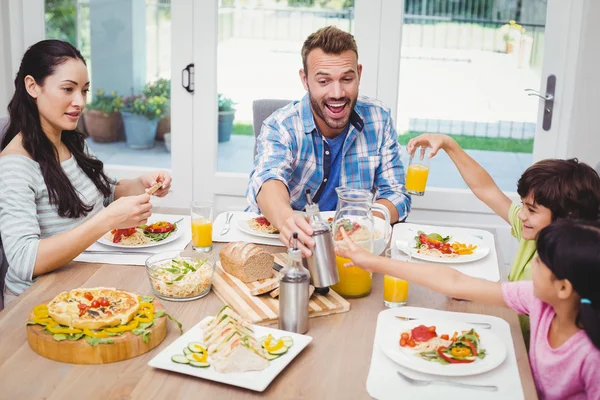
x=478, y=179
x=274, y=202
x=432, y=276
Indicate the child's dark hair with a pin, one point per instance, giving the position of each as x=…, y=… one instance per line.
x=571, y=250
x=569, y=188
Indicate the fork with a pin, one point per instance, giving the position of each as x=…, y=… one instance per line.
x=227, y=220
x=483, y=325
x=425, y=382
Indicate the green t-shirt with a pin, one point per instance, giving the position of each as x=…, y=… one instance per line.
x=520, y=270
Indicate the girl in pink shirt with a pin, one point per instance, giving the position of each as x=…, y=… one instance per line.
x=562, y=301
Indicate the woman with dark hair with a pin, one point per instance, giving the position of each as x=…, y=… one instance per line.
x=562, y=301
x=53, y=190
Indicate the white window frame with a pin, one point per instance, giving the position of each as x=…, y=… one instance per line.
x=22, y=24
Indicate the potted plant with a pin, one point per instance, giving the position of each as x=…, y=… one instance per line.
x=140, y=118
x=102, y=117
x=511, y=33
x=162, y=88
x=226, y=117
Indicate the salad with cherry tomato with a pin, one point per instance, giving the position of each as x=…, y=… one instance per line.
x=434, y=241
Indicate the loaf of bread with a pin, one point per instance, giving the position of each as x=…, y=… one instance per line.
x=246, y=261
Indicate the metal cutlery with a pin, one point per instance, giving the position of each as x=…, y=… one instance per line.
x=425, y=382
x=227, y=221
x=483, y=325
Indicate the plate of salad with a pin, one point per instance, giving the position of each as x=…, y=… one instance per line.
x=440, y=347
x=446, y=247
x=155, y=233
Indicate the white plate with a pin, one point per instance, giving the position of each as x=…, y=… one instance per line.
x=380, y=243
x=480, y=252
x=253, y=380
x=390, y=328
x=174, y=236
x=242, y=224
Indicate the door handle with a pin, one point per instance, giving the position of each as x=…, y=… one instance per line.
x=548, y=101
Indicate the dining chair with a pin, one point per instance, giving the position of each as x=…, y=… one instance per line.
x=261, y=109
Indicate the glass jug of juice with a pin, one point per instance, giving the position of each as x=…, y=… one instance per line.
x=354, y=213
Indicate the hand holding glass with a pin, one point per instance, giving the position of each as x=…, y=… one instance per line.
x=418, y=171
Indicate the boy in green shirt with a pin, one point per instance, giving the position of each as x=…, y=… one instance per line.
x=549, y=189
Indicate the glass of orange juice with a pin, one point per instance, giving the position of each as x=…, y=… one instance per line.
x=202, y=220
x=395, y=291
x=418, y=172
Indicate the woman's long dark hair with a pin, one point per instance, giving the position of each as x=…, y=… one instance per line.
x=40, y=61
x=571, y=250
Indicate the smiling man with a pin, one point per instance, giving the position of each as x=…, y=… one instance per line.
x=332, y=137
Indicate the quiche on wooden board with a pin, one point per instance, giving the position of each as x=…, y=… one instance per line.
x=94, y=308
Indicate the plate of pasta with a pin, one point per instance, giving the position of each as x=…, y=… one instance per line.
x=440, y=347
x=446, y=247
x=153, y=234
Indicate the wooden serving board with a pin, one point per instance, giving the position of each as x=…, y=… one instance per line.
x=263, y=309
x=124, y=347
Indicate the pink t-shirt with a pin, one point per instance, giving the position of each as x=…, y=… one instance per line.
x=571, y=371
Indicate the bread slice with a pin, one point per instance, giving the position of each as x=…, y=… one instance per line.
x=246, y=261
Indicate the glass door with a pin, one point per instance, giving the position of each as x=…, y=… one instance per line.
x=135, y=97
x=474, y=69
x=249, y=50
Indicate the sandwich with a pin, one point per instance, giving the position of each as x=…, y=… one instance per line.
x=230, y=342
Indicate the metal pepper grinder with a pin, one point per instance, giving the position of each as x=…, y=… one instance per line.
x=293, y=292
x=321, y=264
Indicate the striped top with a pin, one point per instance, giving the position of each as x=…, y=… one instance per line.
x=26, y=215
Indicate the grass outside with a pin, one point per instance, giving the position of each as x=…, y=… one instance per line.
x=466, y=142
x=507, y=145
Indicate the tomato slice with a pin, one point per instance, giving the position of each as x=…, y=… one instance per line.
x=160, y=227
x=88, y=296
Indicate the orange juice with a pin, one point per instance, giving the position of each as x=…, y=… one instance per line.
x=354, y=282
x=416, y=178
x=395, y=290
x=201, y=232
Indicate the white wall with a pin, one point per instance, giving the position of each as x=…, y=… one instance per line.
x=584, y=138
x=15, y=37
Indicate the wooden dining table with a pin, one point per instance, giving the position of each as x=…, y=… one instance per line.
x=334, y=366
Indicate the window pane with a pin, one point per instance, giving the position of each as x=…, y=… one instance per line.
x=464, y=70
x=259, y=58
x=127, y=47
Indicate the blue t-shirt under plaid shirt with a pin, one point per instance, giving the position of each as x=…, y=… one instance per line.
x=290, y=149
x=328, y=198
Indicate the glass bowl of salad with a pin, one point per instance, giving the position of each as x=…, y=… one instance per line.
x=180, y=277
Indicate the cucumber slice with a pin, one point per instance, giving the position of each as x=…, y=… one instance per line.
x=199, y=364
x=287, y=341
x=196, y=347
x=180, y=359
x=262, y=340
x=271, y=357
x=280, y=351
x=186, y=351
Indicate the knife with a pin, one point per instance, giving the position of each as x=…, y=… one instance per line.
x=227, y=220
x=277, y=267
